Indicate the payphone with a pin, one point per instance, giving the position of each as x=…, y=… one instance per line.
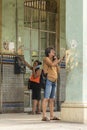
x=19, y=66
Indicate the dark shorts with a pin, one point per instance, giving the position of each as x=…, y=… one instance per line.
x=36, y=91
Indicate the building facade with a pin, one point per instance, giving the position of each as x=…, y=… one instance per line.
x=27, y=28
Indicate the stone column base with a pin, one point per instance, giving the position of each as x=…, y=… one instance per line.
x=74, y=112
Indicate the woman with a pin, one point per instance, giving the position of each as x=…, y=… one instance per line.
x=35, y=85
x=50, y=67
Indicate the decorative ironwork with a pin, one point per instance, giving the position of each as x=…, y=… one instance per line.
x=46, y=5
x=36, y=4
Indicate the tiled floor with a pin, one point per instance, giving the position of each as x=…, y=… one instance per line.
x=24, y=121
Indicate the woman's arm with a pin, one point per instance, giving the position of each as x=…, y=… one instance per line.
x=25, y=62
x=51, y=63
x=28, y=65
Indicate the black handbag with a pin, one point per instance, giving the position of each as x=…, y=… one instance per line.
x=29, y=84
x=32, y=84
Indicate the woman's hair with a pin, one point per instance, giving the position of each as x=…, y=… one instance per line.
x=38, y=66
x=47, y=51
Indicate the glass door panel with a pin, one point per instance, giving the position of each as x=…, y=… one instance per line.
x=43, y=20
x=40, y=32
x=34, y=40
x=35, y=18
x=43, y=39
x=52, y=39
x=27, y=40
x=51, y=21
x=27, y=18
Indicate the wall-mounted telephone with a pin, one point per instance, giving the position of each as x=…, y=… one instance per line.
x=19, y=66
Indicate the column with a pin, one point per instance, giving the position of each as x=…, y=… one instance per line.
x=0, y=48
x=74, y=109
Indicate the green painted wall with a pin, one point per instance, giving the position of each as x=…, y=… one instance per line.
x=9, y=21
x=85, y=51
x=74, y=41
x=13, y=23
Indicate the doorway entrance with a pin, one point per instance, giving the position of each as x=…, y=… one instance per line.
x=40, y=32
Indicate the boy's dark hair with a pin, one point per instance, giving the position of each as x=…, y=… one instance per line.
x=47, y=51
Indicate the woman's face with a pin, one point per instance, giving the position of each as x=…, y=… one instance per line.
x=52, y=53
